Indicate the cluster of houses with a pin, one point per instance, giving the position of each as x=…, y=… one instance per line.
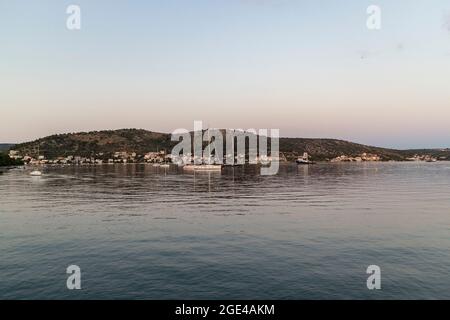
x=360, y=158
x=133, y=157
x=163, y=157
x=100, y=158
x=424, y=157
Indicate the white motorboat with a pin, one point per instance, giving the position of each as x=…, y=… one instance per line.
x=203, y=167
x=304, y=159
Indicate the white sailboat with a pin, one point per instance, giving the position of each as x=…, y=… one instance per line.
x=202, y=167
x=36, y=173
x=157, y=164
x=165, y=164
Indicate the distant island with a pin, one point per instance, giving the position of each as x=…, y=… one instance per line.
x=138, y=145
x=6, y=161
x=5, y=146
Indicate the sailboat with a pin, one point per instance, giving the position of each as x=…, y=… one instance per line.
x=202, y=167
x=36, y=173
x=165, y=164
x=304, y=159
x=157, y=164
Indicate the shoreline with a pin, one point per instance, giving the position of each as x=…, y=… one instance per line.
x=173, y=165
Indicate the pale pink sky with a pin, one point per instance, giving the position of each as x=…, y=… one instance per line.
x=309, y=70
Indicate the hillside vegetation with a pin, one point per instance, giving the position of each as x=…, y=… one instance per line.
x=88, y=144
x=6, y=161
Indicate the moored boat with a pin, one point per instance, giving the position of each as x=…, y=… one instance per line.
x=304, y=159
x=203, y=167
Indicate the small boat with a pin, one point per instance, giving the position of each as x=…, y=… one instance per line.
x=156, y=165
x=233, y=164
x=304, y=159
x=165, y=164
x=203, y=167
x=37, y=173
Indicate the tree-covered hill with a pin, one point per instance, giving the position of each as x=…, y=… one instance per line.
x=141, y=141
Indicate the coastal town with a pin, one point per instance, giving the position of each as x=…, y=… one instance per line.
x=124, y=146
x=124, y=157
x=362, y=157
x=160, y=157
x=100, y=158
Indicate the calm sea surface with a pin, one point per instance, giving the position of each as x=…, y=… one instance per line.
x=141, y=232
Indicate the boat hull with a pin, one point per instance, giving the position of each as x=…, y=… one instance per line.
x=202, y=167
x=304, y=162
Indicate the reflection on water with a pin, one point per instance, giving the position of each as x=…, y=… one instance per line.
x=143, y=232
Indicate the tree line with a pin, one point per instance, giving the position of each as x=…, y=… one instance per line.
x=5, y=160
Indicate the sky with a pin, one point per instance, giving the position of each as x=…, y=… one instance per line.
x=308, y=68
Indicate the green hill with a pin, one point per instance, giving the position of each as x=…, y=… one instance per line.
x=324, y=149
x=87, y=144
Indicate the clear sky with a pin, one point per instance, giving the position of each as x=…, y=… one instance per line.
x=309, y=68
